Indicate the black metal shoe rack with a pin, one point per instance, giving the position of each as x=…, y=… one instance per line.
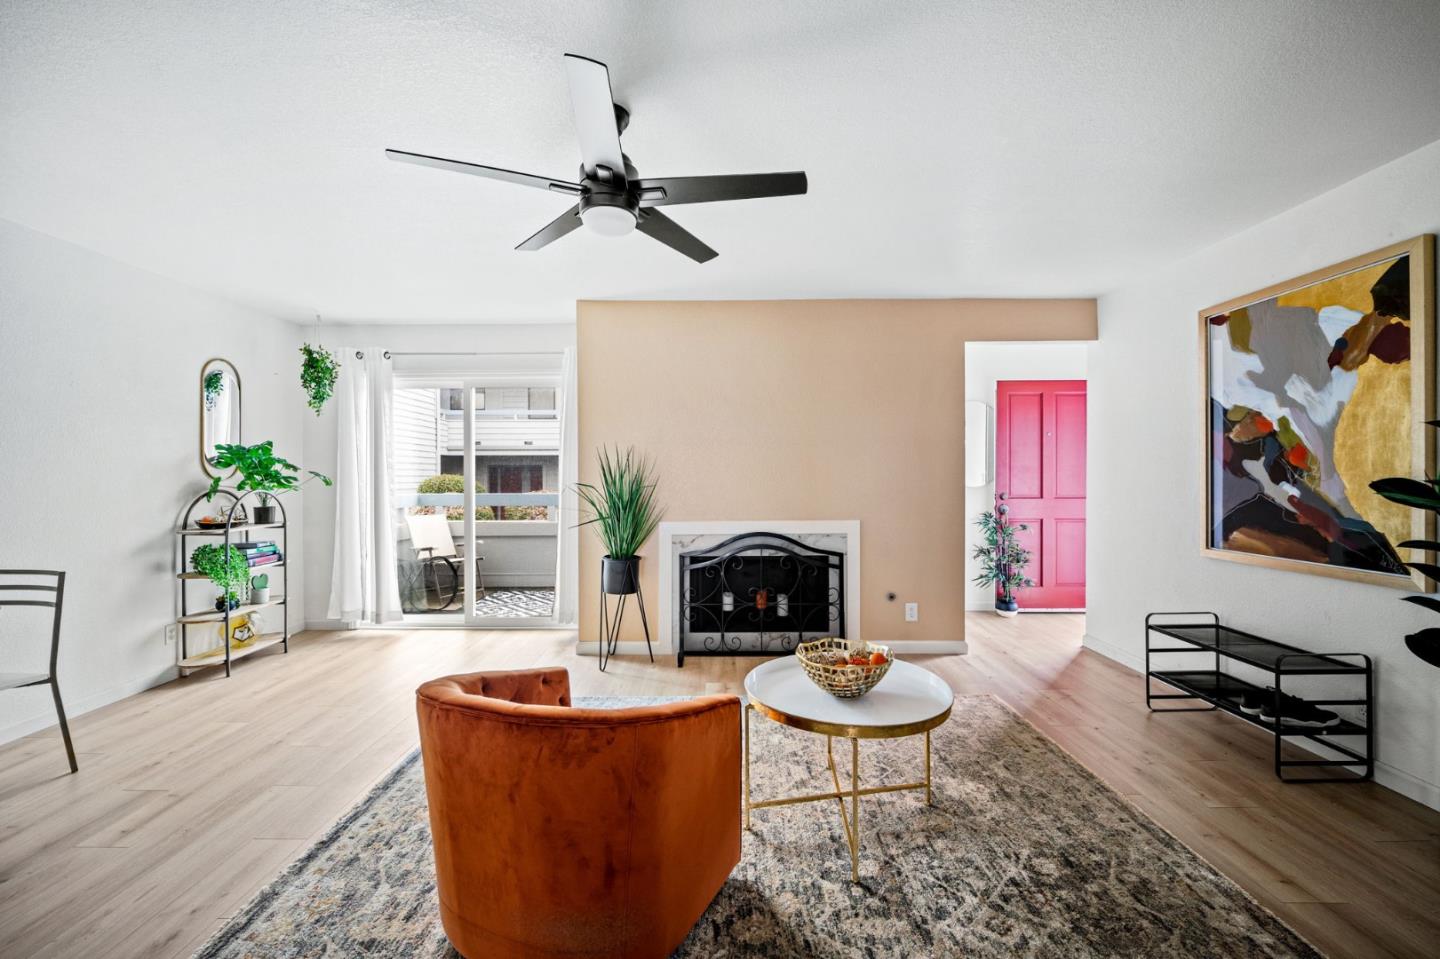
x=1201, y=632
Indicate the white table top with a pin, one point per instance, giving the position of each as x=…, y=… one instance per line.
x=908, y=700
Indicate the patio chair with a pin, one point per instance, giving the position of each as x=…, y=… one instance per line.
x=43, y=588
x=435, y=548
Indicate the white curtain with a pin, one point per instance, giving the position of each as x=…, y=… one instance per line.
x=567, y=539
x=363, y=585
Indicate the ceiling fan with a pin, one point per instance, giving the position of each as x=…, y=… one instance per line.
x=612, y=198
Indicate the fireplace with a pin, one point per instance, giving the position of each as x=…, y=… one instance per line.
x=757, y=594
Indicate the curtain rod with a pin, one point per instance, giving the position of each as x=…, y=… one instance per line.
x=388, y=354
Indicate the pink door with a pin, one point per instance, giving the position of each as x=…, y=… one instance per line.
x=1040, y=467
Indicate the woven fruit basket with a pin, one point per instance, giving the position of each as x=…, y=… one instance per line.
x=830, y=664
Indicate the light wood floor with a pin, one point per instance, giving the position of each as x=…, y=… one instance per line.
x=191, y=796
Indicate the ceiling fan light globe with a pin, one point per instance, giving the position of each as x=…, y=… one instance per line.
x=608, y=220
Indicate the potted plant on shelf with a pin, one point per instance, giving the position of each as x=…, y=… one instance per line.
x=225, y=566
x=1418, y=494
x=624, y=512
x=1002, y=558
x=260, y=470
x=260, y=589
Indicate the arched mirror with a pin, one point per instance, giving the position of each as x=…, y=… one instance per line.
x=219, y=411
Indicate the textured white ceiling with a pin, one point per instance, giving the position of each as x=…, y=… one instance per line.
x=1038, y=148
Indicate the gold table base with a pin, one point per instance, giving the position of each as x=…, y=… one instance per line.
x=849, y=821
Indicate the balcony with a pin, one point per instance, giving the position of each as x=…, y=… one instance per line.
x=517, y=568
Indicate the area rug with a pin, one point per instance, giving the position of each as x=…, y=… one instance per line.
x=1024, y=853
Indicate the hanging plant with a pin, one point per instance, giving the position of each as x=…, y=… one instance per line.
x=317, y=374
x=214, y=386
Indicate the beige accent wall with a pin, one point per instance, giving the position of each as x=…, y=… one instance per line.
x=804, y=410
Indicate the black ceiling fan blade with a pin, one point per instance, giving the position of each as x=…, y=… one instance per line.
x=490, y=172
x=655, y=224
x=554, y=230
x=595, y=125
x=662, y=191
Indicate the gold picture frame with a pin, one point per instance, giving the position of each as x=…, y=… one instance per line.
x=1285, y=515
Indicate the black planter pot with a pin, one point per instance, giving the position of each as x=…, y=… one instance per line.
x=620, y=577
x=264, y=514
x=1006, y=605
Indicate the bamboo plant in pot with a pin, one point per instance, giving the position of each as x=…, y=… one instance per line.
x=260, y=470
x=624, y=512
x=1002, y=558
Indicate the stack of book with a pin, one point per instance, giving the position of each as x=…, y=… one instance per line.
x=262, y=553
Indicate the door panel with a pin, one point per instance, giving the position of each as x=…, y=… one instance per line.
x=1040, y=467
x=1025, y=444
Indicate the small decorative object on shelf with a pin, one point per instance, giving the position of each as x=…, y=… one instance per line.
x=263, y=472
x=625, y=513
x=260, y=589
x=1002, y=558
x=1424, y=495
x=844, y=668
x=1270, y=707
x=318, y=372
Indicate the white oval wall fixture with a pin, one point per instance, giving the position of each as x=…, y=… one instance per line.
x=979, y=442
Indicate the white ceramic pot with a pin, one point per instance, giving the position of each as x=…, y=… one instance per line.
x=259, y=595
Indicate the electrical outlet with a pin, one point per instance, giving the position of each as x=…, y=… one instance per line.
x=912, y=612
x=172, y=633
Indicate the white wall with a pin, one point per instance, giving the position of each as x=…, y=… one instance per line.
x=99, y=432
x=985, y=365
x=1146, y=477
x=320, y=430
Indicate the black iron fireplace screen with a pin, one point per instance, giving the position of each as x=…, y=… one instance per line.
x=758, y=594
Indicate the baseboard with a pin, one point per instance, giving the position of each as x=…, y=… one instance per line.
x=946, y=647
x=1411, y=787
x=1124, y=658
x=936, y=647
x=622, y=649
x=46, y=718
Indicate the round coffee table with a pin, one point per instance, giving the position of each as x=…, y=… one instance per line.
x=907, y=702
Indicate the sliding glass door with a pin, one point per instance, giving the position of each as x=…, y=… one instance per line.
x=476, y=492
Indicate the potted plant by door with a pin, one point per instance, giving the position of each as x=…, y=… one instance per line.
x=260, y=470
x=624, y=512
x=1002, y=558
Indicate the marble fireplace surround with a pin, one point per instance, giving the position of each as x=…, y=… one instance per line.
x=675, y=537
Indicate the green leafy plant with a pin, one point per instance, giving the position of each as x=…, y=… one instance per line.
x=1425, y=495
x=318, y=372
x=446, y=483
x=622, y=507
x=213, y=387
x=1002, y=558
x=225, y=566
x=260, y=470
x=260, y=582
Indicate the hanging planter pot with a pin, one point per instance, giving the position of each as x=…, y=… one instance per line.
x=620, y=577
x=318, y=372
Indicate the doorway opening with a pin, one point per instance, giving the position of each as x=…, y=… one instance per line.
x=1026, y=451
x=476, y=492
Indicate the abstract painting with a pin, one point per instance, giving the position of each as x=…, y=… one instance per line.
x=1315, y=388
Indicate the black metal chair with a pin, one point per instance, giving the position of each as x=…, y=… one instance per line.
x=39, y=587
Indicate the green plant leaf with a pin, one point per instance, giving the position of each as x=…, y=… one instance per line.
x=1429, y=570
x=1408, y=492
x=1425, y=544
x=1425, y=644
x=1428, y=602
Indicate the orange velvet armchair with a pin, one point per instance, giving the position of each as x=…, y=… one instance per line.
x=575, y=833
